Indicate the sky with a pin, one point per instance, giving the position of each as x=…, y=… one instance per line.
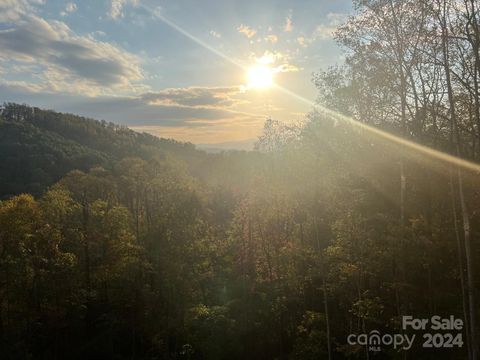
x=174, y=68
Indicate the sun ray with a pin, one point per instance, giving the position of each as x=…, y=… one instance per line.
x=328, y=112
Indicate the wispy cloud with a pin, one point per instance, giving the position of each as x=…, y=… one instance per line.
x=325, y=30
x=215, y=34
x=302, y=41
x=287, y=68
x=277, y=60
x=247, y=31
x=288, y=24
x=272, y=38
x=208, y=97
x=69, y=8
x=13, y=10
x=117, y=8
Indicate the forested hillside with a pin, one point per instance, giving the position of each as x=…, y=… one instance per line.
x=39, y=146
x=118, y=245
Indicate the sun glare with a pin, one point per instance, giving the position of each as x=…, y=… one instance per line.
x=259, y=77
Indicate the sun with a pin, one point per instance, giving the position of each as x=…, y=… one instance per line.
x=259, y=76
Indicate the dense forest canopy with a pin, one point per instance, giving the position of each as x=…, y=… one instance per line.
x=115, y=244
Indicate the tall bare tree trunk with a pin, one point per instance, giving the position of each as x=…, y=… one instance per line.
x=461, y=267
x=474, y=39
x=455, y=143
x=469, y=261
x=327, y=317
x=325, y=294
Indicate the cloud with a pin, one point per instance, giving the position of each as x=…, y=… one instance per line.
x=272, y=38
x=247, y=31
x=324, y=30
x=272, y=58
x=302, y=41
x=269, y=57
x=136, y=111
x=116, y=8
x=215, y=34
x=278, y=61
x=16, y=86
x=98, y=33
x=288, y=24
x=197, y=97
x=337, y=18
x=71, y=7
x=65, y=60
x=286, y=68
x=13, y=10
